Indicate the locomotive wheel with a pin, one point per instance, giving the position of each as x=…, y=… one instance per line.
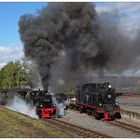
x=54, y=112
x=98, y=116
x=38, y=112
x=71, y=107
x=75, y=108
x=81, y=110
x=88, y=112
x=118, y=115
x=78, y=109
x=40, y=116
x=66, y=107
x=93, y=113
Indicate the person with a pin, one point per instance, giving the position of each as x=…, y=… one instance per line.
x=27, y=97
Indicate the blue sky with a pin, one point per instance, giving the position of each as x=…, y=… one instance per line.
x=10, y=13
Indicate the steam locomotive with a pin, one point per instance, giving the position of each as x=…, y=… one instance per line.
x=96, y=99
x=47, y=105
x=43, y=102
x=45, y=108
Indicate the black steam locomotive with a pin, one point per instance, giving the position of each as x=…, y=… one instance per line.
x=42, y=101
x=97, y=100
x=45, y=107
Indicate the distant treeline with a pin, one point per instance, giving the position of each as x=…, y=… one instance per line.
x=15, y=75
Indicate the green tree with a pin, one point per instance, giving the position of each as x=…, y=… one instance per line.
x=15, y=75
x=1, y=77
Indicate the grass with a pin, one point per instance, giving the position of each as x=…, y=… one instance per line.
x=15, y=125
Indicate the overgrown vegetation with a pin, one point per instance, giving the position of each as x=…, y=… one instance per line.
x=15, y=75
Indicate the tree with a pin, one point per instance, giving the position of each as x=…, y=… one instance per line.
x=15, y=75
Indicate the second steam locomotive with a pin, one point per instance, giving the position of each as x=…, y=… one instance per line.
x=47, y=105
x=97, y=100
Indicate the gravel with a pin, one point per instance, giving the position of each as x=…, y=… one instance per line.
x=129, y=103
x=101, y=126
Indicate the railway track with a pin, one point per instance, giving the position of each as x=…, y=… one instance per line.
x=131, y=114
x=126, y=126
x=85, y=133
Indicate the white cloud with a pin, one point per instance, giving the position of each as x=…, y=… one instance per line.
x=122, y=7
x=10, y=53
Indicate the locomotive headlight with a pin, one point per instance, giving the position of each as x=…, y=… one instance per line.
x=117, y=103
x=100, y=104
x=109, y=96
x=41, y=105
x=109, y=86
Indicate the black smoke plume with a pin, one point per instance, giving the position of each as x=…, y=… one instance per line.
x=123, y=51
x=71, y=27
x=88, y=42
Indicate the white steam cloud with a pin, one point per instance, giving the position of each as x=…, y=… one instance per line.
x=19, y=105
x=60, y=108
